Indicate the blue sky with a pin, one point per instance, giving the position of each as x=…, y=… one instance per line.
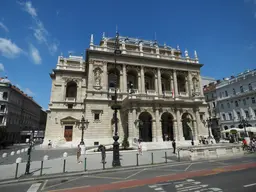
x=34, y=33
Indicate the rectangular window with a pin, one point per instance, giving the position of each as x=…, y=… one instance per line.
x=230, y=116
x=255, y=112
x=234, y=92
x=226, y=93
x=238, y=115
x=250, y=87
x=241, y=89
x=228, y=104
x=236, y=103
x=96, y=116
x=253, y=100
x=247, y=114
x=5, y=95
x=2, y=108
x=222, y=106
x=224, y=117
x=244, y=101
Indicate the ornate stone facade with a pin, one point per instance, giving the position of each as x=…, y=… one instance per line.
x=160, y=93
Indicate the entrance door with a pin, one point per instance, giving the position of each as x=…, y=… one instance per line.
x=68, y=133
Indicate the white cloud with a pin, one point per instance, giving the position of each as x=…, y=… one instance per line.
x=35, y=55
x=39, y=31
x=9, y=49
x=1, y=67
x=4, y=27
x=29, y=92
x=28, y=7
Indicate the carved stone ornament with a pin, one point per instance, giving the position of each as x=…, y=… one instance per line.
x=97, y=78
x=68, y=79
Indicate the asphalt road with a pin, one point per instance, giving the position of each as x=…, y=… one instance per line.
x=225, y=175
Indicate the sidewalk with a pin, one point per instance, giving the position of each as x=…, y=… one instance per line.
x=128, y=158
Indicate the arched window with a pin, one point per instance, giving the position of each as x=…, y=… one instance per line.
x=71, y=90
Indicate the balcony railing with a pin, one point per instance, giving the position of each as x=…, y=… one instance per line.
x=135, y=91
x=70, y=99
x=151, y=92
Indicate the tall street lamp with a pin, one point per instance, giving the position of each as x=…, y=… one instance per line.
x=244, y=123
x=84, y=126
x=29, y=153
x=116, y=107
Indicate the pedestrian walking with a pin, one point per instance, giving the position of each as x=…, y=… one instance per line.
x=78, y=154
x=174, y=146
x=103, y=154
x=139, y=147
x=50, y=144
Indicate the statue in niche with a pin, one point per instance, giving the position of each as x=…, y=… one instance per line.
x=97, y=77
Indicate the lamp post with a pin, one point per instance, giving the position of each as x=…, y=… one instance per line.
x=84, y=126
x=116, y=107
x=29, y=153
x=244, y=123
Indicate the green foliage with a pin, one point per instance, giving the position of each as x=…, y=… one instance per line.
x=125, y=143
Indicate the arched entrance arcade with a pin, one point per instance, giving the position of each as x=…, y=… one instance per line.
x=167, y=126
x=145, y=127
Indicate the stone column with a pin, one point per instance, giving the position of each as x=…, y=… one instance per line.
x=159, y=133
x=124, y=79
x=130, y=126
x=175, y=84
x=139, y=83
x=91, y=76
x=200, y=86
x=175, y=130
x=135, y=129
x=189, y=84
x=142, y=80
x=160, y=92
x=121, y=83
x=198, y=122
x=63, y=89
x=156, y=84
x=154, y=127
x=195, y=133
x=179, y=125
x=105, y=77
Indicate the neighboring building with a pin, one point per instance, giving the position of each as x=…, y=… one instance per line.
x=168, y=99
x=19, y=113
x=236, y=97
x=207, y=80
x=210, y=98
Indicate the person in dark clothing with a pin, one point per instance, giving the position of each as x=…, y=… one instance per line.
x=174, y=146
x=103, y=154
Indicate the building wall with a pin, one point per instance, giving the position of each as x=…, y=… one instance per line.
x=230, y=104
x=95, y=96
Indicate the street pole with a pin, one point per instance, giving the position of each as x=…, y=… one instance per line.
x=244, y=122
x=29, y=154
x=116, y=107
x=82, y=127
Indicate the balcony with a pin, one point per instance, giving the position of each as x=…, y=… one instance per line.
x=135, y=91
x=112, y=90
x=183, y=94
x=70, y=99
x=167, y=93
x=151, y=92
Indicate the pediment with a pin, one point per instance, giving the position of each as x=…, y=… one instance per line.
x=69, y=119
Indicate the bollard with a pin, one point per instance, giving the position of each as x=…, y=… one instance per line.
x=152, y=158
x=137, y=159
x=18, y=152
x=165, y=153
x=12, y=153
x=85, y=164
x=64, y=166
x=65, y=155
x=18, y=161
x=41, y=170
x=4, y=155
